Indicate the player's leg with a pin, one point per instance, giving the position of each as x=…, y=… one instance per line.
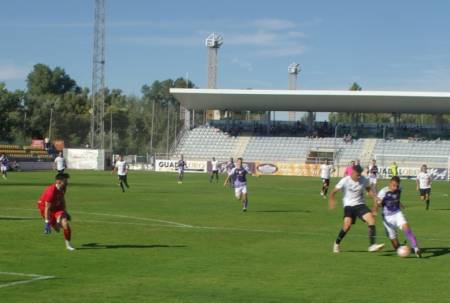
x=427, y=198
x=244, y=198
x=326, y=184
x=125, y=181
x=404, y=226
x=4, y=172
x=121, y=183
x=391, y=232
x=348, y=221
x=366, y=215
x=62, y=219
x=211, y=177
x=217, y=176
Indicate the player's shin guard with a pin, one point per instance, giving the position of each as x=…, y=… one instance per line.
x=411, y=237
x=372, y=234
x=67, y=233
x=121, y=186
x=325, y=190
x=340, y=236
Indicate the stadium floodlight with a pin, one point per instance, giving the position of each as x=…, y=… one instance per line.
x=213, y=42
x=294, y=68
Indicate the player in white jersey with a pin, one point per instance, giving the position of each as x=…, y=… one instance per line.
x=423, y=185
x=325, y=173
x=60, y=164
x=354, y=187
x=372, y=172
x=389, y=199
x=214, y=170
x=4, y=165
x=122, y=170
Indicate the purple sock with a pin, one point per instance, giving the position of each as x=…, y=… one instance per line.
x=412, y=239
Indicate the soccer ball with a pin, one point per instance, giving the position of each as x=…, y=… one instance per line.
x=403, y=251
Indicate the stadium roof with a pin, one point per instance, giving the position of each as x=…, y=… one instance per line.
x=314, y=100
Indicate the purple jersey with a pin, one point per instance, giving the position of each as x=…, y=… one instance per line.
x=390, y=201
x=229, y=167
x=239, y=176
x=4, y=161
x=373, y=171
x=181, y=164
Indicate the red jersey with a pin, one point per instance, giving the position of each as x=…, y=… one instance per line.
x=53, y=196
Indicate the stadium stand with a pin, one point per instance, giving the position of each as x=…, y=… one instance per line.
x=204, y=142
x=25, y=153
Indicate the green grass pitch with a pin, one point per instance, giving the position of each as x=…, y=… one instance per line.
x=168, y=242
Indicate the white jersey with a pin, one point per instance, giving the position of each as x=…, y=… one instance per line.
x=215, y=165
x=121, y=167
x=325, y=171
x=424, y=180
x=60, y=163
x=353, y=190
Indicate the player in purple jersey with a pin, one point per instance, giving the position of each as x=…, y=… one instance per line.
x=389, y=199
x=4, y=165
x=239, y=176
x=180, y=166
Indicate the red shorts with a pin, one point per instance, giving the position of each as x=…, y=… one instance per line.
x=54, y=216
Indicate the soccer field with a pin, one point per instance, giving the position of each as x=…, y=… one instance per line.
x=167, y=242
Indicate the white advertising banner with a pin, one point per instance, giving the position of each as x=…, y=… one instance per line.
x=77, y=158
x=171, y=166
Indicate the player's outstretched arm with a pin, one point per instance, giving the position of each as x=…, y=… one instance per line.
x=332, y=201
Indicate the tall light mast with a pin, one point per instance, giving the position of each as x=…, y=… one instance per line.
x=98, y=78
x=293, y=70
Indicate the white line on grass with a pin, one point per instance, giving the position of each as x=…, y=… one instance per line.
x=33, y=278
x=172, y=224
x=115, y=216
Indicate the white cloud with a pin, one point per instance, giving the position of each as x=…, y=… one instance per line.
x=184, y=41
x=242, y=63
x=273, y=24
x=9, y=71
x=283, y=51
x=258, y=38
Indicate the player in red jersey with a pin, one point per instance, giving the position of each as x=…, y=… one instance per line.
x=52, y=207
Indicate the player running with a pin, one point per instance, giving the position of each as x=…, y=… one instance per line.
x=423, y=185
x=325, y=173
x=52, y=206
x=389, y=199
x=239, y=176
x=60, y=163
x=355, y=206
x=181, y=165
x=122, y=170
x=4, y=164
x=229, y=168
x=214, y=170
x=372, y=172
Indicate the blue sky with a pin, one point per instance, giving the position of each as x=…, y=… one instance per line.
x=382, y=45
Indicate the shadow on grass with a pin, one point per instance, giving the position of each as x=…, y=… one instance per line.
x=282, y=211
x=18, y=218
x=116, y=246
x=440, y=209
x=427, y=252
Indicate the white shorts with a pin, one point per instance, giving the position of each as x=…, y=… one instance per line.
x=240, y=190
x=373, y=181
x=3, y=168
x=392, y=223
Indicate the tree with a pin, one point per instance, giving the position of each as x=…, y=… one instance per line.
x=10, y=113
x=43, y=80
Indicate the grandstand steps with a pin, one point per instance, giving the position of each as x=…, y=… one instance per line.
x=239, y=146
x=367, y=151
